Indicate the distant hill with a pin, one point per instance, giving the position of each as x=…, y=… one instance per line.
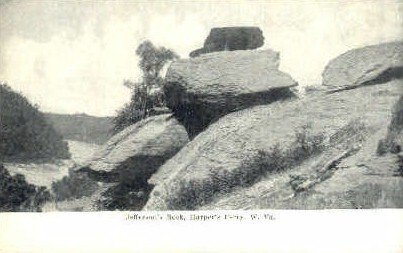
x=81, y=127
x=25, y=134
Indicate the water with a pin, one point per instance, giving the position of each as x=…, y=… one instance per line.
x=43, y=174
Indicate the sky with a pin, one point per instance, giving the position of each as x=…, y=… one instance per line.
x=73, y=56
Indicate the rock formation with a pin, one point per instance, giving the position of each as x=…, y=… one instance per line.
x=217, y=166
x=339, y=146
x=202, y=89
x=364, y=66
x=230, y=39
x=130, y=157
x=316, y=152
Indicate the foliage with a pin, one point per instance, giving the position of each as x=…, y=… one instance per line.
x=132, y=189
x=18, y=195
x=148, y=93
x=25, y=133
x=197, y=193
x=75, y=185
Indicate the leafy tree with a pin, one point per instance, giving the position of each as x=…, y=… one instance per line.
x=147, y=94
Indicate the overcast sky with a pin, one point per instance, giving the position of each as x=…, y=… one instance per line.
x=72, y=56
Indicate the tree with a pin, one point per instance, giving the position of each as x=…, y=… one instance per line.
x=147, y=94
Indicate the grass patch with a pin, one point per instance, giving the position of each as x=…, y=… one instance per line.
x=192, y=194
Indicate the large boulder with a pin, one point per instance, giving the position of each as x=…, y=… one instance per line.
x=365, y=66
x=156, y=136
x=130, y=157
x=222, y=166
x=202, y=89
x=231, y=38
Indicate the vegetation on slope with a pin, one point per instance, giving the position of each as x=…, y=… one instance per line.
x=75, y=185
x=18, y=195
x=194, y=194
x=25, y=133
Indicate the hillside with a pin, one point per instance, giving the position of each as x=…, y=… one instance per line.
x=25, y=133
x=81, y=127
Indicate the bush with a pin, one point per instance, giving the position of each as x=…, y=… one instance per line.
x=131, y=190
x=25, y=134
x=192, y=194
x=141, y=105
x=73, y=186
x=18, y=195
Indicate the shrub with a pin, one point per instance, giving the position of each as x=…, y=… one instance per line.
x=18, y=195
x=141, y=105
x=197, y=193
x=75, y=185
x=124, y=196
x=132, y=189
x=25, y=134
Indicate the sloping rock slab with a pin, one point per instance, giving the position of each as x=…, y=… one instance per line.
x=219, y=156
x=360, y=180
x=142, y=146
x=203, y=89
x=231, y=38
x=365, y=66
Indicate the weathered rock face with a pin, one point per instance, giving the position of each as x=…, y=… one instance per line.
x=357, y=178
x=156, y=136
x=393, y=141
x=231, y=38
x=365, y=66
x=221, y=168
x=203, y=89
x=130, y=157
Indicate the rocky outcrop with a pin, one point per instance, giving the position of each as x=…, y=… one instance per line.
x=157, y=136
x=203, y=89
x=393, y=142
x=231, y=38
x=365, y=66
x=130, y=157
x=350, y=179
x=243, y=160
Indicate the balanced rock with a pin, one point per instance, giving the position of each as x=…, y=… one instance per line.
x=231, y=38
x=221, y=167
x=364, y=66
x=202, y=89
